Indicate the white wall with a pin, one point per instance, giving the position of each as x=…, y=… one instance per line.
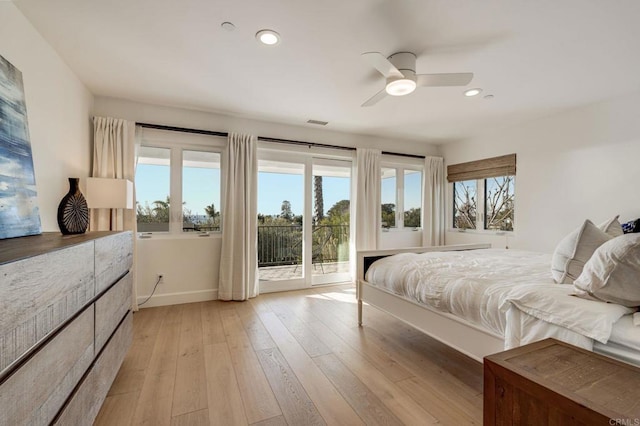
x=58, y=110
x=191, y=265
x=400, y=239
x=168, y=116
x=580, y=164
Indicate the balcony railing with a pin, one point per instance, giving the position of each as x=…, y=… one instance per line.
x=189, y=227
x=282, y=244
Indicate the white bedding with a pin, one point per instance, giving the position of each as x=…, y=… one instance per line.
x=555, y=304
x=493, y=287
x=626, y=333
x=523, y=328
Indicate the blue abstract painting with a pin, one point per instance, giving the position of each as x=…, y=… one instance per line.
x=19, y=214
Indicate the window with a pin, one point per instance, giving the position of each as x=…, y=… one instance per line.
x=200, y=191
x=152, y=189
x=484, y=193
x=177, y=190
x=388, y=197
x=412, y=198
x=331, y=228
x=498, y=204
x=401, y=197
x=465, y=204
x=280, y=219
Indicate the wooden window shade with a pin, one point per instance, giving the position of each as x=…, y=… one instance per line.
x=504, y=165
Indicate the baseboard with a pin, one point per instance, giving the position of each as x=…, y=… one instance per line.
x=179, y=298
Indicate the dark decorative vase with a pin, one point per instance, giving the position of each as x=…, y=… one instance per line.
x=73, y=213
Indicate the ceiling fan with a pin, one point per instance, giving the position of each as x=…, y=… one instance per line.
x=400, y=71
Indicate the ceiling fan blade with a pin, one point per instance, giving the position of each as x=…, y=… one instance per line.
x=450, y=79
x=375, y=98
x=382, y=64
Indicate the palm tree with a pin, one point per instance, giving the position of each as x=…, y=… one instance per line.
x=211, y=211
x=161, y=210
x=318, y=214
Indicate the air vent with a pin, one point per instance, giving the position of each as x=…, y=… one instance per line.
x=318, y=122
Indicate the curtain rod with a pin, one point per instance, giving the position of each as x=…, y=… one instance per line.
x=265, y=139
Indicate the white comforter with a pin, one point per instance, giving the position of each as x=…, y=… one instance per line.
x=490, y=287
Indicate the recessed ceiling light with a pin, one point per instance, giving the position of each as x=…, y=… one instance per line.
x=400, y=87
x=472, y=92
x=488, y=97
x=268, y=37
x=228, y=26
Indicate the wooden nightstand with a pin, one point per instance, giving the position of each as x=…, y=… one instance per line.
x=553, y=383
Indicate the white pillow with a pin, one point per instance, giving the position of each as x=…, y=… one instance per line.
x=613, y=272
x=612, y=227
x=574, y=251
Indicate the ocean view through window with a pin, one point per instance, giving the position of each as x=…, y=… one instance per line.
x=177, y=190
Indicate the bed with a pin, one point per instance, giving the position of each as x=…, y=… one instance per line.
x=480, y=300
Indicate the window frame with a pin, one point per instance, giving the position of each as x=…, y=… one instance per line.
x=178, y=142
x=400, y=167
x=309, y=155
x=481, y=189
x=484, y=205
x=453, y=205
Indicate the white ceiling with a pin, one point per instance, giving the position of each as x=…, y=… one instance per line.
x=535, y=56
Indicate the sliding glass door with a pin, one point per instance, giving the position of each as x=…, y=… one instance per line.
x=330, y=240
x=304, y=217
x=280, y=224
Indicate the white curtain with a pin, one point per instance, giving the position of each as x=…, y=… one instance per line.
x=114, y=150
x=368, y=220
x=113, y=157
x=136, y=152
x=433, y=202
x=239, y=260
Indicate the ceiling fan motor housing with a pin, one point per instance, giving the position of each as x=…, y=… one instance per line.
x=405, y=62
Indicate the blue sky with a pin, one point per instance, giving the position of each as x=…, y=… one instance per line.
x=152, y=183
x=412, y=190
x=202, y=187
x=273, y=188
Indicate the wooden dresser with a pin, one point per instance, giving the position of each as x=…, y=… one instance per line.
x=553, y=383
x=65, y=325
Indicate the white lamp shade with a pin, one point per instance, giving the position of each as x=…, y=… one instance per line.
x=105, y=193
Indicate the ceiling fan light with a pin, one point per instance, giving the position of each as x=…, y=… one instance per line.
x=400, y=87
x=268, y=37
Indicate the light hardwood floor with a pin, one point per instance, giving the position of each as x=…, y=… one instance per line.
x=294, y=358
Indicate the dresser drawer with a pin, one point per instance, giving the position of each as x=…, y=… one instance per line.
x=40, y=293
x=85, y=404
x=34, y=394
x=110, y=309
x=114, y=257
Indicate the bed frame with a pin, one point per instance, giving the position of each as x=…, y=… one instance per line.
x=459, y=334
